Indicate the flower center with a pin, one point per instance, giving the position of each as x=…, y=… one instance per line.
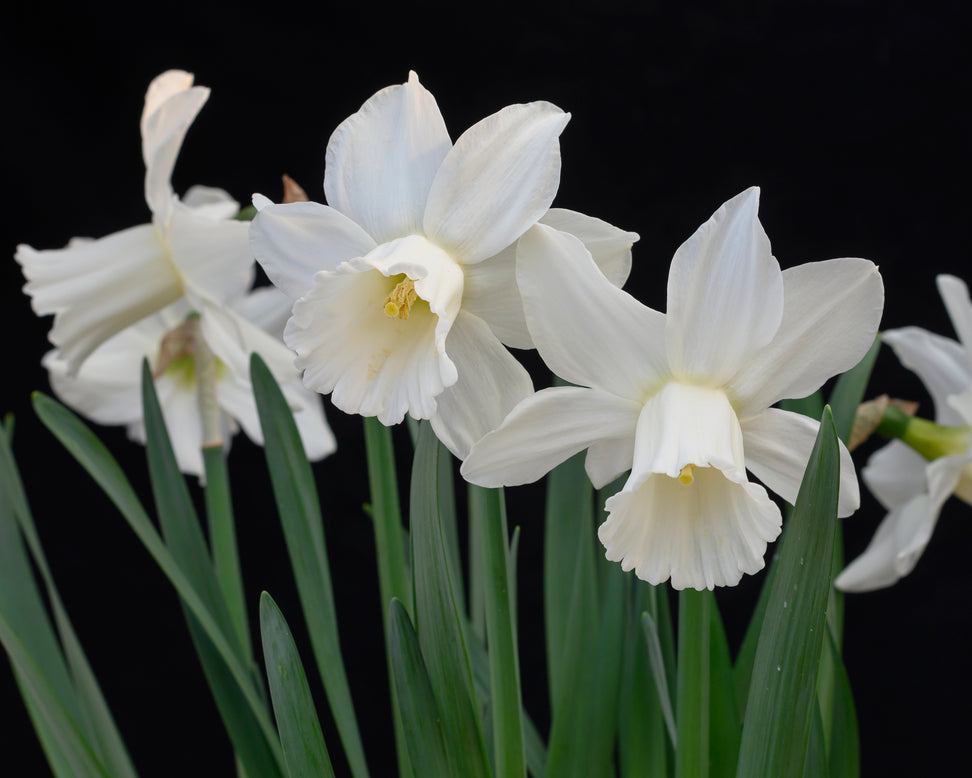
x=685, y=474
x=398, y=304
x=177, y=353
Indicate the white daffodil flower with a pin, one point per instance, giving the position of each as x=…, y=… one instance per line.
x=912, y=488
x=683, y=399
x=404, y=285
x=107, y=387
x=193, y=247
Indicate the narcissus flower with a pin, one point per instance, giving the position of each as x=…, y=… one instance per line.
x=193, y=247
x=404, y=284
x=683, y=399
x=107, y=387
x=912, y=488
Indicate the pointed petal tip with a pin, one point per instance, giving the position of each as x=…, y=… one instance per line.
x=260, y=201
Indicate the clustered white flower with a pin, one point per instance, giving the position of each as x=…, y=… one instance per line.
x=162, y=291
x=405, y=291
x=912, y=488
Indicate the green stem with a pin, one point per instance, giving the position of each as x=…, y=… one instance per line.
x=504, y=668
x=692, y=702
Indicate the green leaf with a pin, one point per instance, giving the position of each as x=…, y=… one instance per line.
x=504, y=667
x=659, y=677
x=390, y=545
x=419, y=713
x=222, y=536
x=845, y=746
x=248, y=726
x=300, y=730
x=641, y=728
x=568, y=569
x=438, y=619
x=72, y=682
x=303, y=528
x=93, y=456
x=776, y=730
x=71, y=744
x=725, y=724
x=816, y=761
x=692, y=684
x=811, y=405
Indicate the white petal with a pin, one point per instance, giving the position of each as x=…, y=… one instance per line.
x=171, y=105
x=961, y=404
x=725, y=294
x=268, y=308
x=685, y=425
x=701, y=535
x=895, y=474
x=607, y=459
x=955, y=295
x=940, y=363
x=212, y=202
x=376, y=365
x=587, y=330
x=831, y=313
x=97, y=288
x=213, y=257
x=382, y=159
x=778, y=446
x=232, y=339
x=905, y=532
x=500, y=177
x=293, y=241
x=608, y=245
x=490, y=292
x=183, y=420
x=490, y=383
x=545, y=429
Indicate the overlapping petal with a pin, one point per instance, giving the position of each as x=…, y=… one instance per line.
x=895, y=473
x=778, y=445
x=725, y=294
x=293, y=241
x=831, y=312
x=545, y=429
x=490, y=382
x=171, y=105
x=381, y=161
x=496, y=182
x=941, y=364
x=609, y=246
x=586, y=329
x=97, y=288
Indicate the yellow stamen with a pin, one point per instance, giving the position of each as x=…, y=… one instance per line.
x=399, y=302
x=685, y=474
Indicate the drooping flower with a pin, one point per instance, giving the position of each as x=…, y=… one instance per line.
x=912, y=488
x=107, y=387
x=683, y=399
x=193, y=246
x=404, y=284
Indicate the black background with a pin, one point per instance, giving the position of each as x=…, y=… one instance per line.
x=853, y=117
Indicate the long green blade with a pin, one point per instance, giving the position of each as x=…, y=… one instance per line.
x=300, y=730
x=248, y=726
x=439, y=626
x=504, y=668
x=93, y=457
x=393, y=578
x=849, y=391
x=82, y=698
x=420, y=715
x=659, y=677
x=692, y=684
x=71, y=744
x=776, y=728
x=845, y=746
x=303, y=527
x=725, y=723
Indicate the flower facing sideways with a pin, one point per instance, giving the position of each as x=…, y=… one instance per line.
x=107, y=387
x=683, y=398
x=404, y=284
x=193, y=247
x=912, y=488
